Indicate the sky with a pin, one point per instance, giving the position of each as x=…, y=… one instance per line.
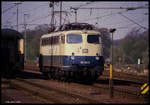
x=39, y=12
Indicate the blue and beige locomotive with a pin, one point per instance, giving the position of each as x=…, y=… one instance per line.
x=72, y=51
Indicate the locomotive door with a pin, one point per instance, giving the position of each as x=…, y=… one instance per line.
x=61, y=49
x=51, y=52
x=84, y=47
x=59, y=55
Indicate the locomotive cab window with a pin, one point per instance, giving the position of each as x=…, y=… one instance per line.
x=74, y=38
x=93, y=39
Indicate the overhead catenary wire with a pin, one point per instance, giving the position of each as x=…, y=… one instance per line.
x=133, y=21
x=79, y=6
x=23, y=11
x=33, y=19
x=7, y=5
x=126, y=26
x=114, y=14
x=120, y=23
x=87, y=3
x=75, y=9
x=39, y=18
x=65, y=18
x=34, y=8
x=103, y=16
x=27, y=24
x=9, y=8
x=9, y=18
x=126, y=8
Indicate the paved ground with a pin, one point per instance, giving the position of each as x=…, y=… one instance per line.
x=15, y=96
x=11, y=95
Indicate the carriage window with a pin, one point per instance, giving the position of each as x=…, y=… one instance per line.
x=21, y=45
x=74, y=38
x=93, y=39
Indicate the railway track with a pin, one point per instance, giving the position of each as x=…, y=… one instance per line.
x=52, y=91
x=128, y=89
x=127, y=77
x=116, y=75
x=120, y=78
x=54, y=94
x=125, y=89
x=120, y=90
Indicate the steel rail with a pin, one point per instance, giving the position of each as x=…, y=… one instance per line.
x=86, y=98
x=120, y=90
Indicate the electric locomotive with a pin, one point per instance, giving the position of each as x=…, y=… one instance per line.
x=12, y=52
x=72, y=51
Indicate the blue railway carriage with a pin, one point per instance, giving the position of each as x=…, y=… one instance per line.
x=12, y=52
x=71, y=54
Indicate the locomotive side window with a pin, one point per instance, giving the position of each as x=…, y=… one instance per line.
x=93, y=39
x=74, y=38
x=48, y=41
x=62, y=39
x=42, y=42
x=57, y=39
x=53, y=40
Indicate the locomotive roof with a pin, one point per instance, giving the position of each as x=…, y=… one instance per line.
x=10, y=33
x=75, y=26
x=70, y=32
x=78, y=28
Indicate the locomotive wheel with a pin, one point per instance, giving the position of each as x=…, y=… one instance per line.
x=65, y=79
x=94, y=78
x=62, y=78
x=47, y=75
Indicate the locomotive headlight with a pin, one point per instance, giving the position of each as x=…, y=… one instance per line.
x=97, y=58
x=84, y=50
x=81, y=62
x=85, y=62
x=72, y=57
